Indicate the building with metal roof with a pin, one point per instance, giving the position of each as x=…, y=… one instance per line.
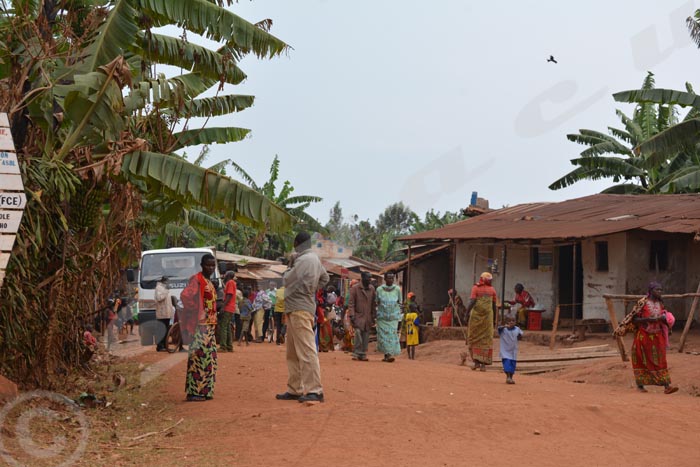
x=568, y=253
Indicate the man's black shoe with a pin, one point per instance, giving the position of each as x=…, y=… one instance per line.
x=287, y=396
x=311, y=397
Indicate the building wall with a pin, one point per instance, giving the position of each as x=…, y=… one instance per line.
x=329, y=249
x=538, y=282
x=596, y=283
x=679, y=276
x=693, y=275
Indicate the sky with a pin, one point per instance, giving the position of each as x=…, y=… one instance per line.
x=425, y=102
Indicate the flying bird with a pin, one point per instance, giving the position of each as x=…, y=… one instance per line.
x=551, y=59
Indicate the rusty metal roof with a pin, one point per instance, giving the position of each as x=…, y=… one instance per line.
x=589, y=216
x=403, y=264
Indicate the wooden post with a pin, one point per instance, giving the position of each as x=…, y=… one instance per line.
x=689, y=321
x=555, y=325
x=573, y=291
x=407, y=285
x=503, y=284
x=613, y=322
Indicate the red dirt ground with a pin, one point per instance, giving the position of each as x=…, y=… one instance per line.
x=433, y=412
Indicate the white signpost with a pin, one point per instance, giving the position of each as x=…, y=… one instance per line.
x=12, y=197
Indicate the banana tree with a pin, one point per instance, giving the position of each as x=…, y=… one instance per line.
x=296, y=206
x=97, y=127
x=624, y=154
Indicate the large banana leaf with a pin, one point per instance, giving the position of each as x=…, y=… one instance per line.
x=192, y=57
x=215, y=23
x=578, y=174
x=659, y=96
x=210, y=135
x=198, y=186
x=686, y=181
x=94, y=105
x=631, y=126
x=684, y=135
x=213, y=106
x=614, y=147
x=172, y=93
x=112, y=38
x=621, y=134
x=612, y=165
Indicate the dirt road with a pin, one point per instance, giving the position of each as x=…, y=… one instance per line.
x=432, y=412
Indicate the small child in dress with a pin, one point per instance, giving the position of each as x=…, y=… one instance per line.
x=412, y=321
x=246, y=311
x=510, y=334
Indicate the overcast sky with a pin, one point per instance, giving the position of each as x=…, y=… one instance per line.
x=424, y=102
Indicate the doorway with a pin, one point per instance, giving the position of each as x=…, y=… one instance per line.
x=567, y=281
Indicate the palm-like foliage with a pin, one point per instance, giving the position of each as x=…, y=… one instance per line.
x=294, y=205
x=632, y=154
x=96, y=128
x=675, y=148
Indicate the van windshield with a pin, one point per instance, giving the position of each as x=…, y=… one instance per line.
x=178, y=267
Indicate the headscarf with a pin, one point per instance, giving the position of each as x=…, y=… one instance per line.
x=410, y=295
x=485, y=278
x=652, y=285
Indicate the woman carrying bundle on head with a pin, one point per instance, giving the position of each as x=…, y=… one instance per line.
x=481, y=310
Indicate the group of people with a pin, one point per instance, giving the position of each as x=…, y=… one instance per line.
x=649, y=320
x=370, y=306
x=381, y=306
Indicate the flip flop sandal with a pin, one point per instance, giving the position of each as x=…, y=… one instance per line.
x=671, y=390
x=641, y=389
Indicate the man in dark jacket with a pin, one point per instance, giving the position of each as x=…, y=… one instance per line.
x=362, y=310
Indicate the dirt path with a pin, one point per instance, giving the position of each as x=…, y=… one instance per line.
x=432, y=412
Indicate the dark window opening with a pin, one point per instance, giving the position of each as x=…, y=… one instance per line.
x=601, y=256
x=534, y=258
x=658, y=255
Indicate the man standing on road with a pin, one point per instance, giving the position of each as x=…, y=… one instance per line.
x=362, y=310
x=301, y=281
x=224, y=337
x=164, y=312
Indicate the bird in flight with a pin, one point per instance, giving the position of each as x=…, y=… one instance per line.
x=551, y=59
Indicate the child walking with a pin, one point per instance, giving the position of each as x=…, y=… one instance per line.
x=411, y=324
x=510, y=334
x=246, y=310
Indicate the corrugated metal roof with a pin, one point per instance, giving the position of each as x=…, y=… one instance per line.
x=242, y=259
x=399, y=265
x=590, y=216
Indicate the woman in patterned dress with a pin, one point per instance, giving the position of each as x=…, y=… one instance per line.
x=649, y=345
x=481, y=310
x=388, y=317
x=199, y=326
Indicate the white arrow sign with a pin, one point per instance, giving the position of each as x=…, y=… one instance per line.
x=9, y=200
x=11, y=182
x=6, y=143
x=9, y=221
x=7, y=242
x=8, y=163
x=4, y=258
